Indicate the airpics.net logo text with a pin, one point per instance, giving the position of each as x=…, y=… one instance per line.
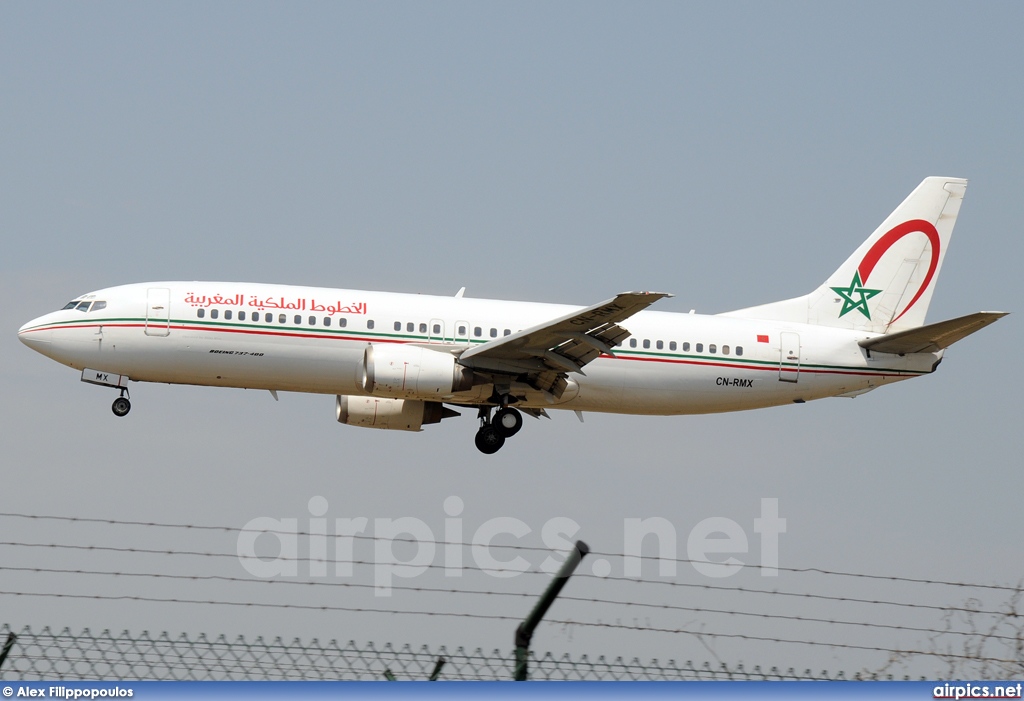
x=407, y=547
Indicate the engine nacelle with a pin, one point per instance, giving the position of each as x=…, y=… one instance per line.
x=396, y=370
x=394, y=414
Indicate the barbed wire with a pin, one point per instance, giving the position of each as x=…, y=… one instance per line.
x=236, y=556
x=971, y=608
x=515, y=571
x=499, y=617
x=359, y=536
x=530, y=595
x=86, y=656
x=298, y=671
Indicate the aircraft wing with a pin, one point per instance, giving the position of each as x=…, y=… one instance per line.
x=933, y=337
x=548, y=352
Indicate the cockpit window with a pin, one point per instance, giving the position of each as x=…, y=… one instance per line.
x=70, y=305
x=83, y=306
x=96, y=306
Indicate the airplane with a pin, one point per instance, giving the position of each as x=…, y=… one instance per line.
x=402, y=361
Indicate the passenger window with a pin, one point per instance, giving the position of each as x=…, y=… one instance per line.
x=96, y=306
x=398, y=326
x=647, y=343
x=632, y=343
x=494, y=333
x=462, y=330
x=327, y=321
x=700, y=347
x=712, y=348
x=200, y=313
x=478, y=332
x=297, y=319
x=725, y=350
x=227, y=314
x=83, y=306
x=342, y=322
x=213, y=313
x=686, y=346
x=508, y=332
x=241, y=316
x=739, y=350
x=659, y=345
x=437, y=328
x=410, y=327
x=369, y=324
x=269, y=318
x=312, y=321
x=423, y=328
x=672, y=345
x=282, y=318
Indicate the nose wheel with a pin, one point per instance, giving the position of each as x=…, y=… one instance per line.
x=121, y=405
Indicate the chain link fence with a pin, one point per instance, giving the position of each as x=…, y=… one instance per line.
x=66, y=656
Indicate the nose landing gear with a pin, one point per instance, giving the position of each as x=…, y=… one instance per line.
x=121, y=405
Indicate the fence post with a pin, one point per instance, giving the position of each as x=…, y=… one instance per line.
x=524, y=632
x=437, y=669
x=11, y=637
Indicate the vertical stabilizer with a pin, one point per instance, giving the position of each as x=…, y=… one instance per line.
x=887, y=284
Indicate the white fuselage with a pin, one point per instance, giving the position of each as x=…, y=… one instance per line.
x=306, y=339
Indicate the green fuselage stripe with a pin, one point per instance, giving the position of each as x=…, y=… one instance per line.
x=299, y=331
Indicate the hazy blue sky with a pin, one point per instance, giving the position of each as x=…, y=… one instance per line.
x=729, y=153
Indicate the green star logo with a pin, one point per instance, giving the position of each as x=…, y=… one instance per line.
x=855, y=296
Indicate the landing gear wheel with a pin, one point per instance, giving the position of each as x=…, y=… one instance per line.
x=121, y=406
x=508, y=421
x=489, y=439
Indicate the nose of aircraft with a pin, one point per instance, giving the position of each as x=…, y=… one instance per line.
x=32, y=336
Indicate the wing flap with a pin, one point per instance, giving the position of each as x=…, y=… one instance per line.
x=933, y=337
x=549, y=351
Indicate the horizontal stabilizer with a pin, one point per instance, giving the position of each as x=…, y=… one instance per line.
x=933, y=337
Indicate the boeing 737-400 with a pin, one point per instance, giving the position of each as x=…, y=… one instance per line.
x=400, y=361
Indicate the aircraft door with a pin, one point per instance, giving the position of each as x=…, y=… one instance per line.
x=789, y=356
x=158, y=311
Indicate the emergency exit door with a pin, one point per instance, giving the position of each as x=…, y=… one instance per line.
x=789, y=357
x=158, y=311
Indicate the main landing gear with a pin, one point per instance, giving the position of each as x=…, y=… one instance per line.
x=121, y=405
x=492, y=434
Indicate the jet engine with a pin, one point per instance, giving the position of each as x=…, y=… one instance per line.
x=394, y=414
x=398, y=370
